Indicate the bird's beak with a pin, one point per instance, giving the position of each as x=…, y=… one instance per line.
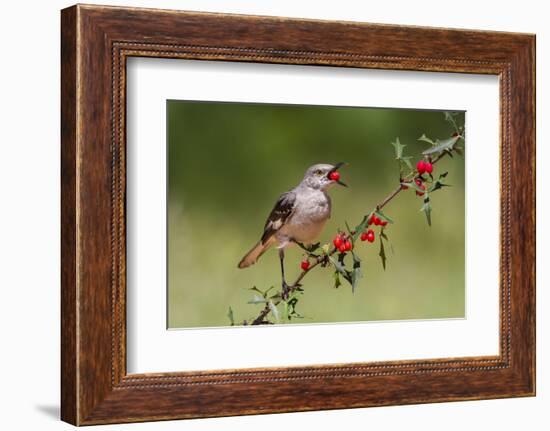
x=334, y=169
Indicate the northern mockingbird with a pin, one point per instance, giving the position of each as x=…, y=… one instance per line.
x=299, y=215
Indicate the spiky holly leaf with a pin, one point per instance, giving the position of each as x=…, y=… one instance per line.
x=338, y=265
x=426, y=139
x=449, y=116
x=356, y=273
x=446, y=145
x=255, y=289
x=274, y=311
x=230, y=316
x=382, y=252
x=407, y=161
x=337, y=281
x=361, y=226
x=383, y=216
x=427, y=208
x=257, y=299
x=290, y=307
x=398, y=148
x=414, y=186
x=439, y=183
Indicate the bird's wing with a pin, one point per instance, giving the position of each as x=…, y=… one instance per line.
x=283, y=209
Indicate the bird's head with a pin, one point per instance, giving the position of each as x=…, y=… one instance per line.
x=322, y=176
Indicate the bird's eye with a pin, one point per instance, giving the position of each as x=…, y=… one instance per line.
x=318, y=172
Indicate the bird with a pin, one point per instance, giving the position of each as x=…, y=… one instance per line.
x=299, y=215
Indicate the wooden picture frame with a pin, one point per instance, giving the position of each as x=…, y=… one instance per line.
x=95, y=43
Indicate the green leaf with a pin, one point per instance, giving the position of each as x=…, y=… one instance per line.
x=361, y=226
x=261, y=292
x=449, y=116
x=274, y=310
x=255, y=289
x=267, y=291
x=398, y=149
x=414, y=186
x=427, y=208
x=348, y=229
x=426, y=139
x=276, y=296
x=337, y=281
x=407, y=161
x=257, y=299
x=290, y=307
x=383, y=216
x=230, y=316
x=341, y=268
x=446, y=145
x=439, y=183
x=338, y=266
x=356, y=274
x=382, y=254
x=286, y=311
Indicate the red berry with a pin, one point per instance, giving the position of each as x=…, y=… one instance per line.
x=429, y=167
x=304, y=265
x=371, y=219
x=334, y=176
x=342, y=248
x=383, y=223
x=364, y=236
x=420, y=185
x=377, y=221
x=337, y=241
x=348, y=245
x=421, y=167
x=370, y=235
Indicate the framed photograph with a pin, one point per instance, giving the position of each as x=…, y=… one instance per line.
x=331, y=214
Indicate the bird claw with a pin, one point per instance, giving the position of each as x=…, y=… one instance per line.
x=286, y=291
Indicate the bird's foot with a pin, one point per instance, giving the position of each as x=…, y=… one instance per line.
x=310, y=248
x=288, y=289
x=285, y=291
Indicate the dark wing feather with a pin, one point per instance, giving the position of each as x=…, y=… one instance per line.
x=283, y=209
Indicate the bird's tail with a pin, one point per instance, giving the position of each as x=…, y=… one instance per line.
x=254, y=254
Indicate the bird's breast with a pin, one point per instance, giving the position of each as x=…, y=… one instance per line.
x=309, y=217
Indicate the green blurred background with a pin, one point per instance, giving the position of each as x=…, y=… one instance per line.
x=228, y=163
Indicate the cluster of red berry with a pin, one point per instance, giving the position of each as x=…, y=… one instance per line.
x=420, y=185
x=422, y=167
x=341, y=243
x=377, y=221
x=369, y=234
